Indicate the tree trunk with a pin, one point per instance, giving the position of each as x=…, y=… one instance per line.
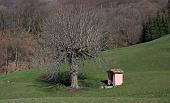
x=168, y=16
x=7, y=58
x=74, y=71
x=6, y=69
x=74, y=81
x=16, y=57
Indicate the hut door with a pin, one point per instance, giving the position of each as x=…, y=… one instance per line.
x=110, y=76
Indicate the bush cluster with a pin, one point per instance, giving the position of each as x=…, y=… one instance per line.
x=60, y=78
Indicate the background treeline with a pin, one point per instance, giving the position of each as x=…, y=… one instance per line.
x=127, y=22
x=20, y=26
x=155, y=27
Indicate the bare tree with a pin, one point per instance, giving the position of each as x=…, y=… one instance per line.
x=74, y=34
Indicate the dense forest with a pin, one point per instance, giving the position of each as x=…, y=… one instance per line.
x=126, y=22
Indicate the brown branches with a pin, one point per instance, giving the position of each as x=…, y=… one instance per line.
x=75, y=34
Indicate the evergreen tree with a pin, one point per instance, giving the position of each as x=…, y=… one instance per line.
x=168, y=17
x=155, y=27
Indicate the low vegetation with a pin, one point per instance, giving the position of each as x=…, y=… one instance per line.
x=60, y=78
x=147, y=76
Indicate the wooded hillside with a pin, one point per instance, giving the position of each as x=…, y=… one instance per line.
x=21, y=25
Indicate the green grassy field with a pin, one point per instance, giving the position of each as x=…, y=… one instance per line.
x=147, y=79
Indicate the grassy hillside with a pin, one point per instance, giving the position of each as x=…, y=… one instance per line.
x=147, y=79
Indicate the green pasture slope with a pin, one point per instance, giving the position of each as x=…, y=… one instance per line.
x=147, y=79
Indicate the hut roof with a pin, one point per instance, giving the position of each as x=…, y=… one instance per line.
x=116, y=71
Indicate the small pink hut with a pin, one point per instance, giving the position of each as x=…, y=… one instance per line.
x=115, y=77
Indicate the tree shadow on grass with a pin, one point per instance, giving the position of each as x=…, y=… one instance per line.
x=56, y=81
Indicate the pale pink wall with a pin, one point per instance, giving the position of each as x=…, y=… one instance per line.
x=118, y=79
